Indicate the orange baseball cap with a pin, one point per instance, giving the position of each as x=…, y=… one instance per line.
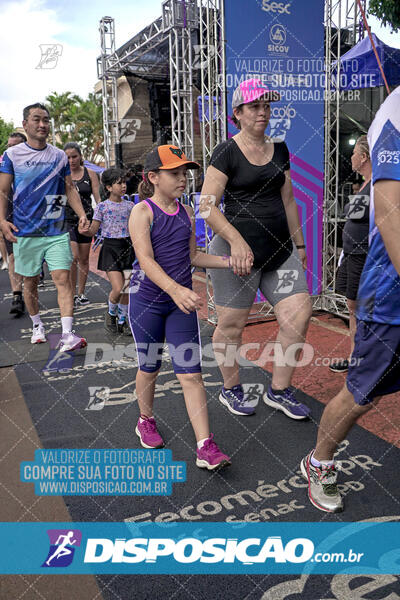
x=167, y=157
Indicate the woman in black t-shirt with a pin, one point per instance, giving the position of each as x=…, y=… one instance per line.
x=355, y=242
x=87, y=184
x=261, y=231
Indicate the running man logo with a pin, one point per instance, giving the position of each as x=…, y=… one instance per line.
x=55, y=206
x=98, y=397
x=202, y=54
x=281, y=122
x=129, y=129
x=177, y=151
x=253, y=392
x=62, y=547
x=137, y=277
x=59, y=362
x=287, y=279
x=50, y=55
x=358, y=206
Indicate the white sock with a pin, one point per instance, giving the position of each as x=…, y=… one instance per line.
x=201, y=442
x=122, y=311
x=145, y=419
x=36, y=320
x=66, y=324
x=112, y=308
x=318, y=463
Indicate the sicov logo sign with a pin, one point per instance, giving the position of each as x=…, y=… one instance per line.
x=276, y=7
x=191, y=550
x=277, y=35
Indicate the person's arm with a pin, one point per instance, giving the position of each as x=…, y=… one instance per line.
x=95, y=185
x=387, y=217
x=75, y=202
x=201, y=259
x=5, y=187
x=211, y=193
x=91, y=230
x=139, y=229
x=292, y=216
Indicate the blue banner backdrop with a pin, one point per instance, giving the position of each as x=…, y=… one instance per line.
x=283, y=44
x=191, y=548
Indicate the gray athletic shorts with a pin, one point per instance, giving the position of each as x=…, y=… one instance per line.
x=239, y=292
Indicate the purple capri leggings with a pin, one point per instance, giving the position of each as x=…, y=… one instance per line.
x=154, y=322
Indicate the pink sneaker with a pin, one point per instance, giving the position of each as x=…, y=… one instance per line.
x=211, y=457
x=70, y=341
x=148, y=434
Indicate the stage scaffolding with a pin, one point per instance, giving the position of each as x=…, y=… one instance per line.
x=195, y=33
x=341, y=17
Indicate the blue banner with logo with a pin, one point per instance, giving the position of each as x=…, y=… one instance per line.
x=209, y=548
x=282, y=43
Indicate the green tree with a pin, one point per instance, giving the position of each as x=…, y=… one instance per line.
x=5, y=130
x=59, y=106
x=387, y=11
x=89, y=127
x=78, y=120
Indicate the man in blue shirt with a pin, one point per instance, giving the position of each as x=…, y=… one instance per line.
x=375, y=369
x=40, y=177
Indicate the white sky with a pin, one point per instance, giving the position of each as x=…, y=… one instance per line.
x=73, y=24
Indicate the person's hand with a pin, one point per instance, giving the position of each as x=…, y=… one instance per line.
x=83, y=224
x=185, y=299
x=242, y=257
x=7, y=228
x=303, y=257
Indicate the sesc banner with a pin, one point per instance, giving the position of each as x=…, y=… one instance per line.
x=283, y=44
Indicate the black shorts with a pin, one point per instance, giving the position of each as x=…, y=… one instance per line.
x=348, y=275
x=116, y=254
x=75, y=236
x=375, y=363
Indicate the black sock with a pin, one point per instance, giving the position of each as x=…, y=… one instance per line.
x=17, y=294
x=276, y=391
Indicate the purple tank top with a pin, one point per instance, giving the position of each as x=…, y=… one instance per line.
x=170, y=236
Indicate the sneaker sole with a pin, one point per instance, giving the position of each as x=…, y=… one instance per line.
x=274, y=404
x=304, y=473
x=232, y=410
x=203, y=464
x=39, y=341
x=145, y=445
x=338, y=370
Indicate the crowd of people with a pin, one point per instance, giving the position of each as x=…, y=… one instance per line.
x=51, y=207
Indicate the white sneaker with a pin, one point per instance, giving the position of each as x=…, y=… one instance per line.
x=38, y=334
x=82, y=300
x=4, y=266
x=70, y=341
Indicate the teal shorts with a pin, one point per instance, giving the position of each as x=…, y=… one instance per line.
x=29, y=253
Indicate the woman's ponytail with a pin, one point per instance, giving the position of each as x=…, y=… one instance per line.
x=145, y=188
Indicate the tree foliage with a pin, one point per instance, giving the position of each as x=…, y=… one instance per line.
x=5, y=130
x=387, y=11
x=78, y=120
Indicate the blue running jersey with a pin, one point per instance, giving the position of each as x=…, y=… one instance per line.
x=379, y=292
x=38, y=188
